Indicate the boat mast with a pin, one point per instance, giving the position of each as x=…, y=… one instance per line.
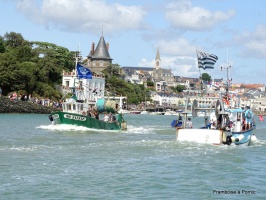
x=227, y=74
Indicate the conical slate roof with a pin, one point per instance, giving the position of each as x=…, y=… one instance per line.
x=101, y=50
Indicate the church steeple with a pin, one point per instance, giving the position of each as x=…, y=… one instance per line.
x=157, y=59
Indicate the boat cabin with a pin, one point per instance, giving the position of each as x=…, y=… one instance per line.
x=237, y=117
x=73, y=106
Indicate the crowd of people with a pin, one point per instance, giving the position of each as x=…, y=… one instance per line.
x=40, y=101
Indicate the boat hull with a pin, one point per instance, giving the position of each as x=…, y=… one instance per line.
x=244, y=136
x=215, y=137
x=86, y=121
x=208, y=136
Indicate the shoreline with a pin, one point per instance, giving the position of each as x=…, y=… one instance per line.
x=23, y=107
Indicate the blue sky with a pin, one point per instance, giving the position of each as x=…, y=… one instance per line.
x=234, y=30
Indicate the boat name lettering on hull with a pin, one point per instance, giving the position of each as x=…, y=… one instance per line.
x=78, y=118
x=55, y=116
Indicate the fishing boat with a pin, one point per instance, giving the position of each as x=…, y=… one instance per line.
x=224, y=126
x=83, y=108
x=225, y=123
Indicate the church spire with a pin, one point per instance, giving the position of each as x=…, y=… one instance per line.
x=157, y=59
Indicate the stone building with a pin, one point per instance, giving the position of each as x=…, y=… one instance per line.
x=99, y=57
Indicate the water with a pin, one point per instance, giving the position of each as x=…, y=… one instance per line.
x=43, y=161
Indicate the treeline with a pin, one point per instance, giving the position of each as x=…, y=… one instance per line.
x=36, y=68
x=32, y=67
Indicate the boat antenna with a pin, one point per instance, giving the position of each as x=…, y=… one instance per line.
x=227, y=74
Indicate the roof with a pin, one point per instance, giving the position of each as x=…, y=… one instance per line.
x=138, y=68
x=101, y=51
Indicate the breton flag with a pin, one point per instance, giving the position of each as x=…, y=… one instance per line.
x=205, y=60
x=83, y=72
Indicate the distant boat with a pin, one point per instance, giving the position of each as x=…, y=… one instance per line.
x=135, y=112
x=144, y=112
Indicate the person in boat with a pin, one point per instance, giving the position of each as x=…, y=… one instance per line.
x=105, y=118
x=179, y=122
x=110, y=117
x=96, y=114
x=189, y=123
x=248, y=118
x=88, y=113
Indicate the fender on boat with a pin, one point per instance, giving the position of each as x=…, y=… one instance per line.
x=239, y=138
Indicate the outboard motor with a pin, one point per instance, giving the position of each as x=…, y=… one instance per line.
x=228, y=140
x=51, y=118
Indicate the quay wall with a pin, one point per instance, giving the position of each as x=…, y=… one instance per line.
x=18, y=106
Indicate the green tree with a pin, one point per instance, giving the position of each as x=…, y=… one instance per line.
x=2, y=46
x=206, y=77
x=33, y=67
x=112, y=70
x=150, y=83
x=135, y=93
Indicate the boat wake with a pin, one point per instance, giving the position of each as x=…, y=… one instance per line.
x=63, y=127
x=141, y=130
x=68, y=127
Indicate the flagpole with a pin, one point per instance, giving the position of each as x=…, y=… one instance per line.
x=201, y=82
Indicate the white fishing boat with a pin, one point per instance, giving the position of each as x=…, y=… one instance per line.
x=225, y=125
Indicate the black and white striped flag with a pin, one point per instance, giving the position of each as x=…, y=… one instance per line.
x=205, y=60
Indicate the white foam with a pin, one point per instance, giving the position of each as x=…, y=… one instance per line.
x=63, y=127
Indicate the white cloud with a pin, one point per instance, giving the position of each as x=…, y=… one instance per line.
x=254, y=42
x=182, y=15
x=83, y=15
x=178, y=47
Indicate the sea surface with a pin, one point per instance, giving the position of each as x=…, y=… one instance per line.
x=43, y=161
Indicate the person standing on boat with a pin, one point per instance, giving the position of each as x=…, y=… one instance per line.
x=189, y=123
x=105, y=118
x=179, y=122
x=248, y=118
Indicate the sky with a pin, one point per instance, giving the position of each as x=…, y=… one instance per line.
x=234, y=30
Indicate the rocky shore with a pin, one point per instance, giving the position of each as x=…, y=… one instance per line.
x=18, y=106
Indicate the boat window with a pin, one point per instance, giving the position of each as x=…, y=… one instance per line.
x=74, y=107
x=81, y=106
x=69, y=106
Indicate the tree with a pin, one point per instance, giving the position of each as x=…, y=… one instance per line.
x=13, y=39
x=112, y=70
x=32, y=67
x=2, y=47
x=206, y=77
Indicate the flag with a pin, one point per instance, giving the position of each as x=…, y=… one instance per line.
x=205, y=60
x=83, y=72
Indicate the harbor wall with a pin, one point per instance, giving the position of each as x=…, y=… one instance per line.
x=18, y=106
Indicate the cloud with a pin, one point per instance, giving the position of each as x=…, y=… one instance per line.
x=83, y=15
x=181, y=15
x=254, y=42
x=178, y=47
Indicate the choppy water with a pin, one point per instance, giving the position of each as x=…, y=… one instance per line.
x=43, y=161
